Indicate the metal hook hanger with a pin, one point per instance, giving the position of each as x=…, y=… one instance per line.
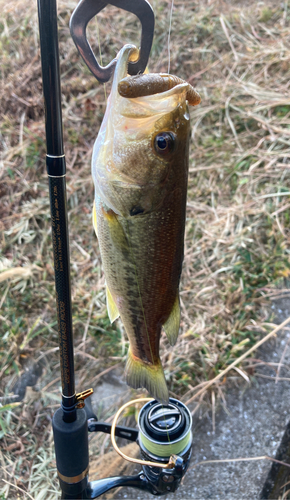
x=87, y=9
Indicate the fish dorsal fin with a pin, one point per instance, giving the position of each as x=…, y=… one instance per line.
x=95, y=219
x=171, y=326
x=111, y=306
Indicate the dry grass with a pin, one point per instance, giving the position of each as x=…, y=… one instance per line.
x=237, y=230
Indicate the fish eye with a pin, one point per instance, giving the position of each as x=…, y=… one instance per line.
x=164, y=143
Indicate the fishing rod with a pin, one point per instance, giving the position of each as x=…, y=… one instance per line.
x=164, y=432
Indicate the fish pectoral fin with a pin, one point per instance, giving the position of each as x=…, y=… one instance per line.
x=151, y=377
x=116, y=231
x=95, y=219
x=171, y=326
x=111, y=306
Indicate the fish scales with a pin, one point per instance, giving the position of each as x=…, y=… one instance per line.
x=140, y=170
x=139, y=276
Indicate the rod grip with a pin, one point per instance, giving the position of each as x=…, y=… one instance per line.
x=72, y=451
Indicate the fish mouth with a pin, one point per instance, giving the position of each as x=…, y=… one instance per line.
x=153, y=94
x=151, y=84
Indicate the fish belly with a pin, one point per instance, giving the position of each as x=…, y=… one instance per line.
x=142, y=259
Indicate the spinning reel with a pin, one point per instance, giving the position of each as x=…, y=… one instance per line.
x=164, y=437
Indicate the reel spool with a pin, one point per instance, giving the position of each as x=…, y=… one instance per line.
x=164, y=430
x=165, y=441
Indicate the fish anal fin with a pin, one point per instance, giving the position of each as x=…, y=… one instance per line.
x=151, y=377
x=95, y=219
x=171, y=326
x=111, y=306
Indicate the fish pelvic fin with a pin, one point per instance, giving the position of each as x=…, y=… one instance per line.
x=111, y=306
x=151, y=377
x=171, y=326
x=95, y=219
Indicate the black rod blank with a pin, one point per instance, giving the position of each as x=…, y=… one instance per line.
x=47, y=14
x=55, y=163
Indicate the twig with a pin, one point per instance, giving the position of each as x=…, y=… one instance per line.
x=238, y=360
x=263, y=457
x=18, y=488
x=104, y=372
x=228, y=38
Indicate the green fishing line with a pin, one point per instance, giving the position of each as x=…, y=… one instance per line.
x=165, y=449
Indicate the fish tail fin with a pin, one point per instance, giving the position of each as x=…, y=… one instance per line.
x=151, y=377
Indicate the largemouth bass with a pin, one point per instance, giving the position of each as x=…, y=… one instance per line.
x=140, y=170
